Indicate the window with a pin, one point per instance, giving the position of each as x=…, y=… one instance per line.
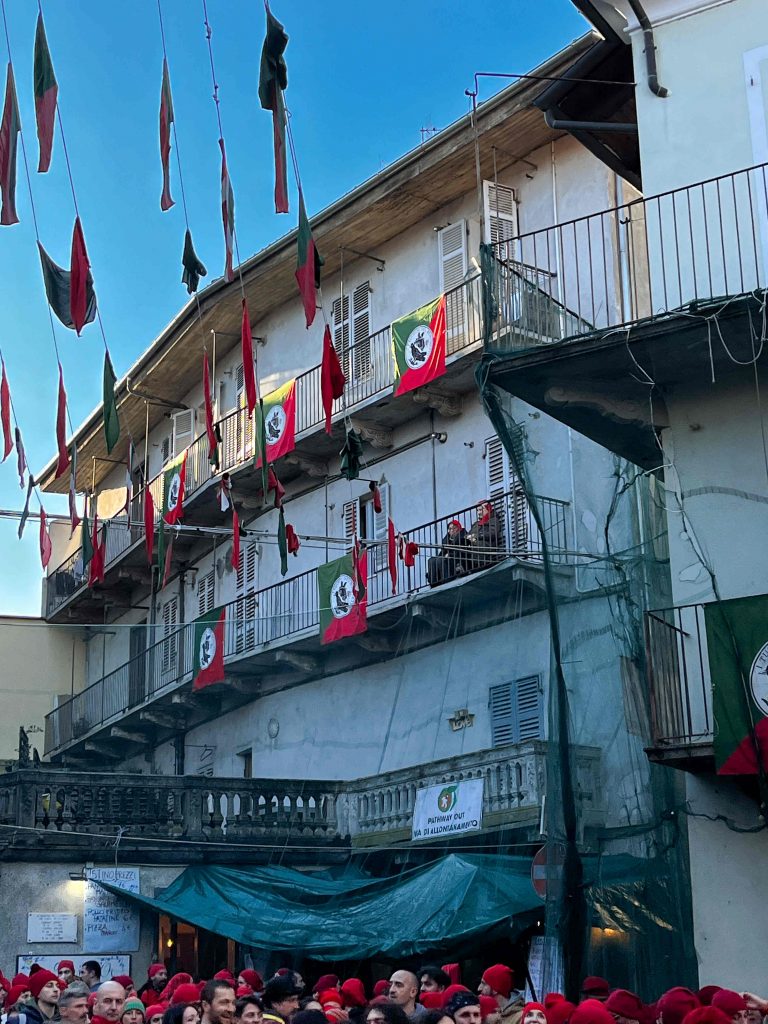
x=166, y=447
x=170, y=619
x=452, y=253
x=183, y=430
x=351, y=338
x=508, y=495
x=206, y=587
x=500, y=209
x=246, y=762
x=361, y=518
x=515, y=711
x=246, y=604
x=242, y=438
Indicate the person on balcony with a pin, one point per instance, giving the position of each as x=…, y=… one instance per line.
x=483, y=539
x=446, y=565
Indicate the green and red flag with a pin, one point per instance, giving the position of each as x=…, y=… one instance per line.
x=58, y=290
x=227, y=214
x=277, y=429
x=166, y=120
x=85, y=537
x=111, y=421
x=273, y=79
x=46, y=93
x=341, y=597
x=80, y=280
x=249, y=372
x=174, y=479
x=737, y=643
x=208, y=649
x=418, y=346
x=308, y=264
x=10, y=126
x=61, y=428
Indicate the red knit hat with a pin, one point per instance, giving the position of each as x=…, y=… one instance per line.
x=561, y=1012
x=225, y=975
x=39, y=980
x=15, y=993
x=532, y=1006
x=185, y=994
x=353, y=993
x=451, y=991
x=595, y=985
x=553, y=997
x=500, y=978
x=675, y=1004
x=154, y=1010
x=252, y=978
x=591, y=1011
x=625, y=1004
x=706, y=1015
x=20, y=979
x=154, y=969
x=454, y=972
x=381, y=988
x=705, y=994
x=327, y=981
x=330, y=995
x=488, y=1005
x=432, y=1000
x=729, y=1002
x=122, y=979
x=243, y=990
x=63, y=964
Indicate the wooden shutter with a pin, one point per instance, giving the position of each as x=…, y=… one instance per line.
x=452, y=249
x=379, y=529
x=206, y=588
x=515, y=710
x=508, y=495
x=170, y=637
x=183, y=430
x=244, y=435
x=502, y=718
x=500, y=208
x=246, y=603
x=361, y=331
x=341, y=333
x=166, y=447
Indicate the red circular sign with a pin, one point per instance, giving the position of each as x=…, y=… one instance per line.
x=547, y=870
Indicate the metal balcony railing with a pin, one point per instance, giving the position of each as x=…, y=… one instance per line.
x=643, y=259
x=290, y=608
x=370, y=375
x=679, y=679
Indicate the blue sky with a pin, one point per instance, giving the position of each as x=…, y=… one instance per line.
x=363, y=80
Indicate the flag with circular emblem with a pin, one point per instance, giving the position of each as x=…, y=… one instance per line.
x=208, y=649
x=278, y=413
x=418, y=346
x=342, y=600
x=174, y=478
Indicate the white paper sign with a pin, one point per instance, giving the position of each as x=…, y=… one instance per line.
x=447, y=810
x=545, y=967
x=110, y=965
x=51, y=927
x=110, y=923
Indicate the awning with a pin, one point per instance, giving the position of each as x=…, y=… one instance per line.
x=418, y=910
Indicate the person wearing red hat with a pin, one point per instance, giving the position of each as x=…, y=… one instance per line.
x=561, y=1012
x=551, y=998
x=157, y=979
x=705, y=994
x=126, y=981
x=330, y=1000
x=381, y=988
x=591, y=1011
x=534, y=1013
x=595, y=987
x=404, y=991
x=44, y=986
x=732, y=1004
x=185, y=994
x=499, y=981
x=432, y=979
x=324, y=983
x=353, y=994
x=454, y=973
x=625, y=1006
x=431, y=1000
x=19, y=996
x=250, y=977
x=65, y=969
x=706, y=1015
x=154, y=1013
x=675, y=1004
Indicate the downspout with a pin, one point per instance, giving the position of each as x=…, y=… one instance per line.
x=650, y=49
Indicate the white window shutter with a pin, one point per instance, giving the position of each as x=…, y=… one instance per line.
x=361, y=324
x=381, y=529
x=500, y=209
x=170, y=638
x=497, y=470
x=246, y=604
x=351, y=516
x=341, y=332
x=183, y=430
x=166, y=447
x=452, y=243
x=206, y=586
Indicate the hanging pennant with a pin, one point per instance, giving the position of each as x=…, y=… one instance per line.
x=166, y=120
x=392, y=554
x=10, y=126
x=282, y=543
x=61, y=428
x=25, y=511
x=332, y=379
x=213, y=448
x=5, y=413
x=86, y=542
x=373, y=487
x=45, y=540
x=21, y=457
x=96, y=573
x=129, y=460
x=149, y=523
x=227, y=214
x=273, y=79
x=46, y=94
x=74, y=518
x=249, y=373
x=80, y=279
x=292, y=540
x=58, y=291
x=308, y=264
x=111, y=421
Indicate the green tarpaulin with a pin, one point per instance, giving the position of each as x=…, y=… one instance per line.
x=432, y=907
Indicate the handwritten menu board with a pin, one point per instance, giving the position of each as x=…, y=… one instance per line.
x=110, y=923
x=51, y=927
x=110, y=965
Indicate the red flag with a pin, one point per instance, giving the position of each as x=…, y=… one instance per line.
x=209, y=427
x=235, y=540
x=291, y=539
x=74, y=518
x=332, y=379
x=376, y=492
x=249, y=374
x=78, y=281
x=166, y=119
x=392, y=554
x=61, y=428
x=10, y=126
x=45, y=540
x=5, y=414
x=46, y=92
x=149, y=523
x=96, y=569
x=227, y=214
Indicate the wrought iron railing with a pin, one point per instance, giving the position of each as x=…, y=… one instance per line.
x=290, y=608
x=640, y=260
x=679, y=679
x=370, y=375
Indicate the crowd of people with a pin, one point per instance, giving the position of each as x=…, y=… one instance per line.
x=430, y=995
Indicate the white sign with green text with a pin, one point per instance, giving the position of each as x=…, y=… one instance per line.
x=448, y=809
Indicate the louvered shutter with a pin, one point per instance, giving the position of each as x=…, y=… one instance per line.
x=351, y=515
x=246, y=603
x=341, y=333
x=508, y=495
x=500, y=207
x=452, y=248
x=205, y=593
x=183, y=430
x=166, y=447
x=380, y=529
x=244, y=438
x=502, y=718
x=170, y=638
x=527, y=709
x=361, y=332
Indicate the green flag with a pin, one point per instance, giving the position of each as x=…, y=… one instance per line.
x=737, y=644
x=341, y=597
x=418, y=346
x=85, y=537
x=111, y=421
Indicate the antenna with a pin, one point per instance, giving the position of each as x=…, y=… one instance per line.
x=427, y=132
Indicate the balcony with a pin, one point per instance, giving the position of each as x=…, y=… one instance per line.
x=368, y=399
x=273, y=632
x=52, y=807
x=587, y=315
x=682, y=729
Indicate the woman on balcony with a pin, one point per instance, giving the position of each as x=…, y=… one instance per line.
x=483, y=539
x=446, y=565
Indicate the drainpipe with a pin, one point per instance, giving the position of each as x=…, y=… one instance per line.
x=650, y=49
